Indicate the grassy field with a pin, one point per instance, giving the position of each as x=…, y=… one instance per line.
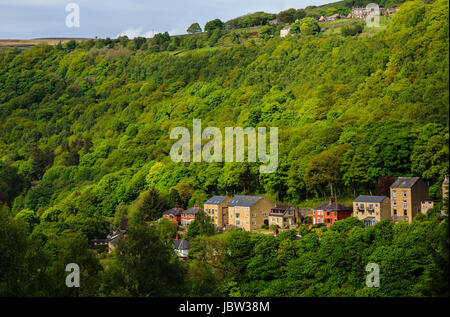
x=25, y=44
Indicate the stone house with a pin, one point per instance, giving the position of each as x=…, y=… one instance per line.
x=371, y=209
x=284, y=216
x=217, y=208
x=407, y=194
x=249, y=212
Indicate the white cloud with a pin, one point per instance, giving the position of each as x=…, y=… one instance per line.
x=139, y=32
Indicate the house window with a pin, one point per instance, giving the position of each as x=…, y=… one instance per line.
x=253, y=215
x=370, y=206
x=404, y=193
x=314, y=212
x=394, y=193
x=395, y=211
x=253, y=223
x=246, y=215
x=237, y=215
x=394, y=202
x=405, y=204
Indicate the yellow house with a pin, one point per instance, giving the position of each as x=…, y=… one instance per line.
x=407, y=193
x=249, y=212
x=217, y=208
x=371, y=209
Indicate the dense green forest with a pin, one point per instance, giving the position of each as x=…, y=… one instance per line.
x=84, y=141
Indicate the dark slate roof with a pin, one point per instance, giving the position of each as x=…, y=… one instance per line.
x=405, y=182
x=333, y=207
x=369, y=199
x=192, y=210
x=215, y=200
x=244, y=201
x=176, y=211
x=182, y=244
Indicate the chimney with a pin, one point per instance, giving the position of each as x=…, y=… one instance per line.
x=177, y=237
x=332, y=201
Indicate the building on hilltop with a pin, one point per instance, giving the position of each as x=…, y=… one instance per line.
x=249, y=212
x=361, y=13
x=330, y=212
x=407, y=194
x=371, y=209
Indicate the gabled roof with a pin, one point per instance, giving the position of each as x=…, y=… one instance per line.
x=369, y=199
x=333, y=207
x=215, y=200
x=182, y=244
x=176, y=211
x=405, y=182
x=192, y=210
x=244, y=201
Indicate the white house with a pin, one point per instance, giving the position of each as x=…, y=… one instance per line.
x=284, y=31
x=182, y=247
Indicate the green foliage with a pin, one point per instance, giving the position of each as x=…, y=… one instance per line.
x=214, y=25
x=201, y=226
x=309, y=26
x=194, y=28
x=151, y=205
x=334, y=264
x=350, y=30
x=137, y=254
x=84, y=135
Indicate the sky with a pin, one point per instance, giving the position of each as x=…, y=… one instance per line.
x=28, y=19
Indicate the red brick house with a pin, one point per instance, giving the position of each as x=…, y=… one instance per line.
x=330, y=212
x=174, y=214
x=187, y=216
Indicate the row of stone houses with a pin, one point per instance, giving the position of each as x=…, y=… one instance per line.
x=408, y=197
x=250, y=212
x=181, y=216
x=361, y=13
